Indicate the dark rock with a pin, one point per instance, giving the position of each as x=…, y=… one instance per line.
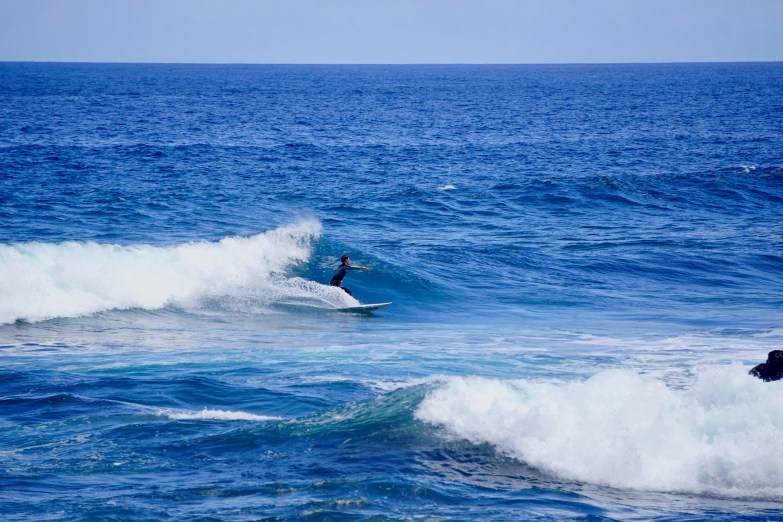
x=772, y=370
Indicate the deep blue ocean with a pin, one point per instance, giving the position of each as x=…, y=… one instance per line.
x=584, y=262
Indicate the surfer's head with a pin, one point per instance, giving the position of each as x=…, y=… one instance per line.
x=344, y=259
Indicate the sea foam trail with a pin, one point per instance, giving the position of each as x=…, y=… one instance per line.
x=218, y=415
x=724, y=435
x=46, y=280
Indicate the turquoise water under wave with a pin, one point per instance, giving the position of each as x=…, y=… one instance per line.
x=584, y=263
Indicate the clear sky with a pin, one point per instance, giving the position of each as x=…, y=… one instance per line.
x=391, y=31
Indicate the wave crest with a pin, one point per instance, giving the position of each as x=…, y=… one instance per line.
x=41, y=281
x=620, y=429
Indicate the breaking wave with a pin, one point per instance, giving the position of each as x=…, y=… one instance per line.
x=41, y=281
x=724, y=435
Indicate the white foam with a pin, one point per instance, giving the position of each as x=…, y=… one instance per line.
x=45, y=280
x=723, y=435
x=775, y=332
x=219, y=415
x=447, y=187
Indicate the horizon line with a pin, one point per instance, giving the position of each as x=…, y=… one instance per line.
x=392, y=63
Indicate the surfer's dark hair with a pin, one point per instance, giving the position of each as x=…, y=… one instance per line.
x=343, y=258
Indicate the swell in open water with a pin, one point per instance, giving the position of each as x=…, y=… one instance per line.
x=584, y=262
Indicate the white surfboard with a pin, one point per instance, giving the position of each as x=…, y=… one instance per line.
x=364, y=307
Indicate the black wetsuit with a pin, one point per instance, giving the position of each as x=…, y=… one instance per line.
x=337, y=277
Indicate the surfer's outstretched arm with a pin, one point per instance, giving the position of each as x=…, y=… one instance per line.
x=358, y=268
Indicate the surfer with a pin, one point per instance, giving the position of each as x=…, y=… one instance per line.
x=339, y=274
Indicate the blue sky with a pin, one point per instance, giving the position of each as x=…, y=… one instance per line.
x=401, y=31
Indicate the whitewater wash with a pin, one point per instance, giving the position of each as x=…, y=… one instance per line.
x=45, y=280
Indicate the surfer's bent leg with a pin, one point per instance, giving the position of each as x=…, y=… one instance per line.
x=342, y=288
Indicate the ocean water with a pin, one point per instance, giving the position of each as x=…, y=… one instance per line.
x=584, y=262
